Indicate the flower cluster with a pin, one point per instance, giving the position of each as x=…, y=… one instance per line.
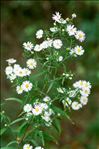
x=52, y=78
x=41, y=109
x=28, y=146
x=81, y=92
x=57, y=43
x=14, y=71
x=26, y=86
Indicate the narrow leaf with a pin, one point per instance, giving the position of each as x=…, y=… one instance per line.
x=2, y=131
x=14, y=99
x=16, y=121
x=12, y=142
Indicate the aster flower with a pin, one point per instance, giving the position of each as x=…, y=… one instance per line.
x=11, y=61
x=83, y=100
x=71, y=30
x=75, y=105
x=28, y=46
x=60, y=58
x=56, y=17
x=39, y=34
x=37, y=110
x=57, y=43
x=27, y=108
x=80, y=36
x=19, y=89
x=74, y=15
x=78, y=50
x=46, y=99
x=27, y=86
x=31, y=63
x=9, y=70
x=27, y=146
x=37, y=48
x=39, y=147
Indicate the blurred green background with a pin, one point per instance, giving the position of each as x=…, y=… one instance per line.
x=19, y=21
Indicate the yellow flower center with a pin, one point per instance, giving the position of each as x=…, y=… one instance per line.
x=20, y=72
x=27, y=85
x=81, y=83
x=36, y=109
x=80, y=35
x=86, y=91
x=79, y=49
x=28, y=147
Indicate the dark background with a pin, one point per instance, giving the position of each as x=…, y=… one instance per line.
x=19, y=21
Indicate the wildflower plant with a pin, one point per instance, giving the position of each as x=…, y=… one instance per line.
x=45, y=84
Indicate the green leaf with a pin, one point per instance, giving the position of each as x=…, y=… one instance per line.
x=42, y=137
x=12, y=142
x=50, y=87
x=2, y=131
x=6, y=147
x=57, y=125
x=22, y=129
x=16, y=121
x=49, y=137
x=14, y=99
x=58, y=110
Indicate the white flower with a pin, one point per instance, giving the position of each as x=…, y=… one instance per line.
x=27, y=86
x=49, y=42
x=44, y=45
x=27, y=146
x=39, y=147
x=26, y=71
x=46, y=117
x=76, y=106
x=60, y=58
x=67, y=19
x=78, y=84
x=20, y=72
x=72, y=93
x=31, y=63
x=83, y=100
x=56, y=17
x=71, y=30
x=86, y=85
x=12, y=77
x=28, y=46
x=19, y=89
x=37, y=110
x=72, y=52
x=27, y=108
x=37, y=48
x=80, y=36
x=44, y=106
x=46, y=99
x=78, y=50
x=11, y=61
x=57, y=43
x=74, y=15
x=82, y=85
x=39, y=34
x=16, y=68
x=49, y=112
x=85, y=92
x=63, y=21
x=54, y=29
x=8, y=70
